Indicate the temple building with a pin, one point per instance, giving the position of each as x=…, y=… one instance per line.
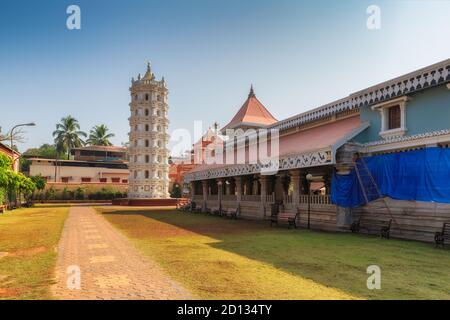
x=148, y=152
x=401, y=125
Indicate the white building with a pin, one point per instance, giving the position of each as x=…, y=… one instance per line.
x=149, y=166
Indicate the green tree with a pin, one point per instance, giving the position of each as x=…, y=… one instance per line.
x=176, y=191
x=47, y=151
x=68, y=135
x=99, y=136
x=14, y=184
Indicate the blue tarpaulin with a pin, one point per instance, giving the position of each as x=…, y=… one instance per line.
x=422, y=175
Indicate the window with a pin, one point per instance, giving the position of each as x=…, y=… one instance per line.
x=85, y=179
x=159, y=159
x=159, y=144
x=115, y=180
x=393, y=117
x=135, y=128
x=146, y=97
x=394, y=120
x=158, y=113
x=147, y=174
x=147, y=143
x=159, y=174
x=65, y=179
x=135, y=97
x=135, y=174
x=146, y=127
x=124, y=181
x=158, y=128
x=103, y=180
x=147, y=112
x=147, y=158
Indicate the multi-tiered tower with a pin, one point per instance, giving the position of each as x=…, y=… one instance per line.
x=149, y=166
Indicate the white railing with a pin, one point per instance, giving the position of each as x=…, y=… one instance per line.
x=315, y=199
x=288, y=199
x=270, y=198
x=252, y=197
x=229, y=197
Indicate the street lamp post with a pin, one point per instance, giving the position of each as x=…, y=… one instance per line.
x=17, y=126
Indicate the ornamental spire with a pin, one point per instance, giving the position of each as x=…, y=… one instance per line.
x=148, y=75
x=252, y=93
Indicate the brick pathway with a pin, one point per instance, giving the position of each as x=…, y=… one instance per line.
x=110, y=266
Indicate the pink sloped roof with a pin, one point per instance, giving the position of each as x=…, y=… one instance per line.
x=309, y=140
x=251, y=112
x=317, y=138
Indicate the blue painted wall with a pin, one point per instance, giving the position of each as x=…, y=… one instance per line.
x=428, y=110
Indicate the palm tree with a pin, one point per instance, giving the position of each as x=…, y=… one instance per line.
x=68, y=135
x=99, y=136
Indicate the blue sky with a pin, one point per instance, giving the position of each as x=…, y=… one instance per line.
x=298, y=55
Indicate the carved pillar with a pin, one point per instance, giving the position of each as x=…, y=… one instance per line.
x=238, y=181
x=192, y=186
x=263, y=180
x=295, y=179
x=279, y=190
x=205, y=190
x=255, y=186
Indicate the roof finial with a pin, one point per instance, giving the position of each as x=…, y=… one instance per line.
x=252, y=93
x=148, y=66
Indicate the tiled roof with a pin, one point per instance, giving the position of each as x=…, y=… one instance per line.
x=252, y=112
x=102, y=148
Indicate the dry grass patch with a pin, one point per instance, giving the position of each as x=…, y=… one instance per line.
x=29, y=236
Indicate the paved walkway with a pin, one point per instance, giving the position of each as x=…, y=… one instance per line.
x=110, y=266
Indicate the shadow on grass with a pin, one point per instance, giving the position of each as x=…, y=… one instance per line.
x=410, y=270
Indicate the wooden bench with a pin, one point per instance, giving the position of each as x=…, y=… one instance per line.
x=185, y=207
x=285, y=218
x=194, y=208
x=214, y=211
x=444, y=236
x=383, y=228
x=232, y=213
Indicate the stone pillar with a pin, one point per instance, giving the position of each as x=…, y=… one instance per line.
x=192, y=185
x=263, y=180
x=238, y=181
x=255, y=186
x=295, y=179
x=279, y=190
x=205, y=194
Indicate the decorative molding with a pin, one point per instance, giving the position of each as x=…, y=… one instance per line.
x=428, y=77
x=312, y=159
x=395, y=143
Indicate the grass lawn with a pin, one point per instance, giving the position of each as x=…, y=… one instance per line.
x=218, y=258
x=29, y=236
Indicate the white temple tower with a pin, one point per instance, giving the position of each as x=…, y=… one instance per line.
x=148, y=152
